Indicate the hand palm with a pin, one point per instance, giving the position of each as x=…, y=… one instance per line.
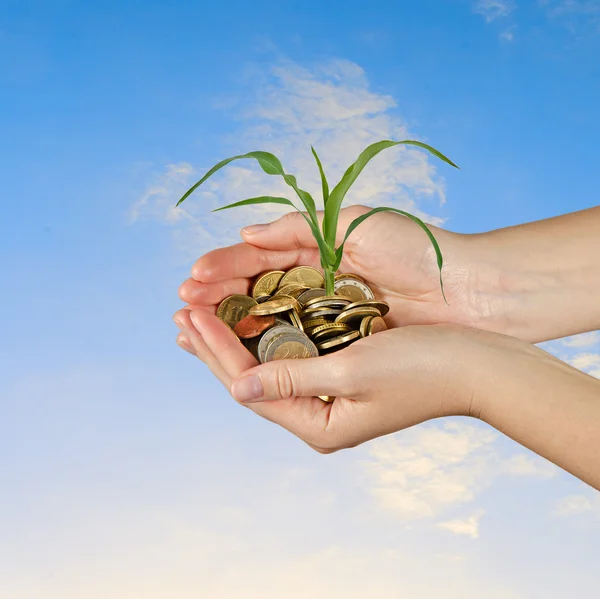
x=391, y=253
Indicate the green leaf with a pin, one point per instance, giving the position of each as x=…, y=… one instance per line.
x=259, y=200
x=357, y=221
x=271, y=165
x=324, y=184
x=338, y=193
x=327, y=253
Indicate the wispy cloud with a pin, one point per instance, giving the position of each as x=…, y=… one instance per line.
x=576, y=15
x=588, y=362
x=576, y=505
x=583, y=340
x=430, y=469
x=468, y=526
x=491, y=10
x=286, y=109
x=508, y=35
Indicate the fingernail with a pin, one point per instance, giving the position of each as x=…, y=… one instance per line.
x=179, y=322
x=248, y=388
x=253, y=229
x=184, y=344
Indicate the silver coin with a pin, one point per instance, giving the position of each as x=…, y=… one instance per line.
x=354, y=289
x=269, y=335
x=293, y=344
x=310, y=294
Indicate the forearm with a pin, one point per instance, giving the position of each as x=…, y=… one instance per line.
x=540, y=280
x=543, y=404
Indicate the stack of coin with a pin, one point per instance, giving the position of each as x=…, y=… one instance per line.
x=288, y=314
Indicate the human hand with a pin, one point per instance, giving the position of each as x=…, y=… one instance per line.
x=390, y=252
x=383, y=383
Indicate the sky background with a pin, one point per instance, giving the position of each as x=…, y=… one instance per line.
x=126, y=470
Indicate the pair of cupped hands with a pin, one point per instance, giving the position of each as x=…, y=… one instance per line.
x=429, y=363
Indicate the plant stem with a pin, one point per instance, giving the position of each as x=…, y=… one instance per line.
x=329, y=280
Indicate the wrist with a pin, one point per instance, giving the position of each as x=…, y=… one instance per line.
x=517, y=290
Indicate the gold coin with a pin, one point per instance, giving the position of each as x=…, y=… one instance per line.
x=347, y=275
x=274, y=306
x=364, y=323
x=266, y=283
x=326, y=398
x=357, y=314
x=304, y=275
x=320, y=312
x=291, y=346
x=235, y=307
x=328, y=330
x=293, y=289
x=306, y=296
x=382, y=306
x=336, y=342
x=376, y=325
x=354, y=289
x=295, y=319
x=311, y=323
x=328, y=301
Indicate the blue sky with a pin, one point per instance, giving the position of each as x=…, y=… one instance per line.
x=126, y=470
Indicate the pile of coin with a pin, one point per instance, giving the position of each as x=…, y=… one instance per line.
x=288, y=314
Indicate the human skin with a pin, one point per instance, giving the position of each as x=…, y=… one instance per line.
x=536, y=282
x=404, y=376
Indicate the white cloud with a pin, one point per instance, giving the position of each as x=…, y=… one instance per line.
x=526, y=465
x=577, y=16
x=582, y=340
x=508, y=35
x=572, y=7
x=427, y=470
x=574, y=505
x=468, y=526
x=588, y=362
x=493, y=9
x=287, y=109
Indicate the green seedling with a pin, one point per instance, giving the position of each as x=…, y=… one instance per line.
x=331, y=256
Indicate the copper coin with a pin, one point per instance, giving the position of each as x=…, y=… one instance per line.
x=251, y=325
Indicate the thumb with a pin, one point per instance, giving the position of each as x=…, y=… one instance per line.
x=282, y=379
x=289, y=232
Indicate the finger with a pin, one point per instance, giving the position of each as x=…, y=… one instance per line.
x=201, y=349
x=282, y=379
x=284, y=392
x=207, y=294
x=291, y=231
x=184, y=343
x=209, y=309
x=246, y=261
x=232, y=356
